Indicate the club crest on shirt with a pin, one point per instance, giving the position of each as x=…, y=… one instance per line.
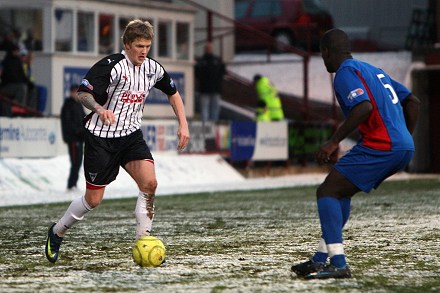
x=355, y=93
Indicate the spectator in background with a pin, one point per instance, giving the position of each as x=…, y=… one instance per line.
x=31, y=43
x=269, y=107
x=14, y=82
x=72, y=115
x=32, y=95
x=8, y=40
x=209, y=71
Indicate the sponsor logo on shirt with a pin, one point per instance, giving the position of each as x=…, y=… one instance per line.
x=87, y=84
x=355, y=93
x=132, y=97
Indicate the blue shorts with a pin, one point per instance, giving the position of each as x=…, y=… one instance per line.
x=367, y=168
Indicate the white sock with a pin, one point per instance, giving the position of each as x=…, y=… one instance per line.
x=144, y=213
x=322, y=247
x=74, y=213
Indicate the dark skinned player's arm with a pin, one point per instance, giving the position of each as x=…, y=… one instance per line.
x=411, y=107
x=357, y=115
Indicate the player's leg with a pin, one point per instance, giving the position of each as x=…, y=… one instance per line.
x=333, y=200
x=76, y=212
x=321, y=254
x=100, y=168
x=360, y=169
x=143, y=173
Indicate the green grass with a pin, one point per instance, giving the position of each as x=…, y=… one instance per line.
x=230, y=242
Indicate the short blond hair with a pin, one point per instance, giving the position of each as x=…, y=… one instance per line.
x=137, y=29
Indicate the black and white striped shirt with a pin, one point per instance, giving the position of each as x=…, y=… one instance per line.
x=118, y=85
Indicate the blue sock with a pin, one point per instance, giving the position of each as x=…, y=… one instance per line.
x=345, y=208
x=345, y=202
x=338, y=261
x=320, y=257
x=331, y=218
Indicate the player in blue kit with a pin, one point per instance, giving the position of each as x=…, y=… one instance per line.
x=385, y=114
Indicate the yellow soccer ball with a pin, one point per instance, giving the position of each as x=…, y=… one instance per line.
x=149, y=251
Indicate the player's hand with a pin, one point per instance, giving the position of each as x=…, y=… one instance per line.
x=327, y=152
x=106, y=116
x=183, y=135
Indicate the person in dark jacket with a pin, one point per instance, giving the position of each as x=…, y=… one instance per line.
x=209, y=71
x=14, y=82
x=72, y=114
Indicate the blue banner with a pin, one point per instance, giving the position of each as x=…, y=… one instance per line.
x=72, y=75
x=243, y=135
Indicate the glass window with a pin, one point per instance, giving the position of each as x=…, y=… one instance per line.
x=182, y=31
x=85, y=30
x=122, y=24
x=265, y=8
x=63, y=30
x=314, y=6
x=164, y=39
x=21, y=26
x=106, y=34
x=240, y=9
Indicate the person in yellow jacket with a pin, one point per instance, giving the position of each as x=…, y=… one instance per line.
x=269, y=107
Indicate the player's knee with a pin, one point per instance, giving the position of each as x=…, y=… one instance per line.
x=320, y=191
x=325, y=191
x=149, y=186
x=93, y=202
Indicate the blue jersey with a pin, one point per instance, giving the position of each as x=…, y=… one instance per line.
x=385, y=129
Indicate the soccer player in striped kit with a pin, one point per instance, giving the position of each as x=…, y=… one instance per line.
x=385, y=114
x=115, y=89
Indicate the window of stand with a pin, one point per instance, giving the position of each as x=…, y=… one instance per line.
x=106, y=34
x=182, y=36
x=63, y=30
x=85, y=36
x=164, y=39
x=75, y=32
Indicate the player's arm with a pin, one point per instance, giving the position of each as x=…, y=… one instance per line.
x=179, y=109
x=411, y=106
x=167, y=86
x=358, y=114
x=106, y=116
